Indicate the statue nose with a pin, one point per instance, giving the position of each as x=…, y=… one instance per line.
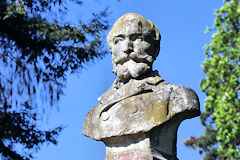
x=128, y=47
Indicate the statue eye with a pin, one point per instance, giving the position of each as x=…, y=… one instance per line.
x=117, y=39
x=136, y=36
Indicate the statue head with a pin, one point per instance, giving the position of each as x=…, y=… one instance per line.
x=134, y=43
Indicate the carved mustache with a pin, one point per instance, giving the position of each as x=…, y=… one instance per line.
x=133, y=56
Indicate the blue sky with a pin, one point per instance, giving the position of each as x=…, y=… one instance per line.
x=181, y=24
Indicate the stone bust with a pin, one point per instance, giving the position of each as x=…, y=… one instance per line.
x=139, y=101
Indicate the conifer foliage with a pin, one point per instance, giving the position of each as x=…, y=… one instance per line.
x=36, y=52
x=221, y=115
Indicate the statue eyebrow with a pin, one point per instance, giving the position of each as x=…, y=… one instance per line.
x=136, y=34
x=120, y=35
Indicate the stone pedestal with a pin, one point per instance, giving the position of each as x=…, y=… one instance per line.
x=157, y=144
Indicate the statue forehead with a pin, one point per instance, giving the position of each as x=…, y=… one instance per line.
x=129, y=24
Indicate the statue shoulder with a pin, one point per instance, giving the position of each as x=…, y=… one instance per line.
x=181, y=99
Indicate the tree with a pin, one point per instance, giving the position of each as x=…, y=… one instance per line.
x=36, y=53
x=221, y=115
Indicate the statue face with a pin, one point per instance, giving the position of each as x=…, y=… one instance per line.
x=132, y=52
x=134, y=43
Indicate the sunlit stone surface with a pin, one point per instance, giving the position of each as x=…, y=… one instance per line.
x=138, y=117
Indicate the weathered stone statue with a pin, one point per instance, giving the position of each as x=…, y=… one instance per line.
x=138, y=117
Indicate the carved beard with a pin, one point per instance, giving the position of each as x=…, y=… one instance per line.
x=130, y=69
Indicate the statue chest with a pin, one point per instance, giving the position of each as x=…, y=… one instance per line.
x=137, y=113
